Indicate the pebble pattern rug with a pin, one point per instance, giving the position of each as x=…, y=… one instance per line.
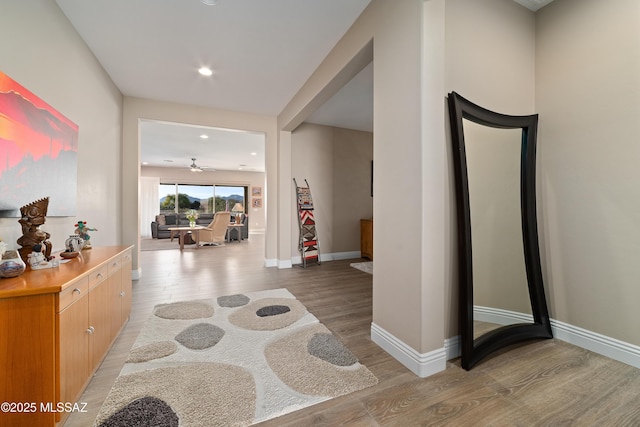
x=230, y=361
x=366, y=266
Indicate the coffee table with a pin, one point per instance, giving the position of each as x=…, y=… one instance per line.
x=181, y=232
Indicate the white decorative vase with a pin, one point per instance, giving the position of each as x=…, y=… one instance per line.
x=74, y=243
x=11, y=265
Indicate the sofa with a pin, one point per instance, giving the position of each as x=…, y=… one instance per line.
x=160, y=227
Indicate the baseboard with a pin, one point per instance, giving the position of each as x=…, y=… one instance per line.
x=136, y=274
x=601, y=344
x=421, y=364
x=333, y=256
x=284, y=263
x=452, y=347
x=268, y=262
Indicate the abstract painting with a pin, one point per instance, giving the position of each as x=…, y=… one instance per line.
x=38, y=153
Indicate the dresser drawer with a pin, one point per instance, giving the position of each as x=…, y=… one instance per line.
x=115, y=265
x=73, y=292
x=98, y=275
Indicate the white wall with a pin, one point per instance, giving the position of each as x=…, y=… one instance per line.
x=41, y=51
x=218, y=177
x=588, y=97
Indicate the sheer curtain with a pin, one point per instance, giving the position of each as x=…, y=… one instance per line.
x=149, y=203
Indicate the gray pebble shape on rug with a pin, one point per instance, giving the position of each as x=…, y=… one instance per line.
x=184, y=310
x=155, y=350
x=200, y=336
x=146, y=411
x=237, y=300
x=328, y=348
x=272, y=310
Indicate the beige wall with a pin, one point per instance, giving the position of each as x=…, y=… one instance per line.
x=490, y=60
x=352, y=156
x=337, y=165
x=218, y=177
x=588, y=97
x=407, y=291
x=41, y=51
x=136, y=109
x=312, y=159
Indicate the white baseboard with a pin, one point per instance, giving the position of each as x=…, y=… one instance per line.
x=284, y=263
x=136, y=274
x=421, y=364
x=601, y=344
x=452, y=347
x=334, y=256
x=269, y=262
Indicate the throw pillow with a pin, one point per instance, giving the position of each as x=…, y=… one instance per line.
x=170, y=220
x=160, y=219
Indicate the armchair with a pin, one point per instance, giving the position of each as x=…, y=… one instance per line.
x=215, y=232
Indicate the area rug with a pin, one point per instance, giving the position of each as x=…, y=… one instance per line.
x=230, y=361
x=367, y=267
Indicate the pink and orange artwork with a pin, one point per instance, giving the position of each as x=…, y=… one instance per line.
x=38, y=153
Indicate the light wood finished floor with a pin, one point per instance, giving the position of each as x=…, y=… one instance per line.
x=545, y=383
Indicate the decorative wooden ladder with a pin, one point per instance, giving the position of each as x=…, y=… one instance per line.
x=308, y=243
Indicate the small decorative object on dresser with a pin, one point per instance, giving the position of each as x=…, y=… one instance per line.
x=83, y=231
x=37, y=260
x=11, y=265
x=74, y=243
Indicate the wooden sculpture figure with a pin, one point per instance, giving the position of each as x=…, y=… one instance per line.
x=33, y=216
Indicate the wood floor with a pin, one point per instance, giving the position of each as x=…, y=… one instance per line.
x=545, y=383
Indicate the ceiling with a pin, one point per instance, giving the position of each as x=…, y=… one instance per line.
x=261, y=53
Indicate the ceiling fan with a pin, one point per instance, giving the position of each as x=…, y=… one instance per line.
x=194, y=167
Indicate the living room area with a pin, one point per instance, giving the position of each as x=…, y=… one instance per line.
x=209, y=170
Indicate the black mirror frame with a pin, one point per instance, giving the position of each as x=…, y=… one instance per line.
x=475, y=350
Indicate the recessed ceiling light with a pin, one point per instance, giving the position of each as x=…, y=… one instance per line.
x=204, y=136
x=145, y=163
x=209, y=2
x=205, y=71
x=254, y=154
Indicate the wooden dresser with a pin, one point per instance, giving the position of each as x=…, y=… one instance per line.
x=366, y=238
x=56, y=326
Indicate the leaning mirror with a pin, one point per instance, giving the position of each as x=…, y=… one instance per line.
x=501, y=291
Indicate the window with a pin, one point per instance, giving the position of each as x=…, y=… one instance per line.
x=228, y=196
x=203, y=198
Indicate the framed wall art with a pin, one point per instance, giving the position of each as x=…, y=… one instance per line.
x=38, y=153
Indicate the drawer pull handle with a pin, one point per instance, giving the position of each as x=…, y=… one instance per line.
x=90, y=330
x=122, y=294
x=99, y=276
x=76, y=290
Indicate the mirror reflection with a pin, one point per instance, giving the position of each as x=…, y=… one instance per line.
x=500, y=295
